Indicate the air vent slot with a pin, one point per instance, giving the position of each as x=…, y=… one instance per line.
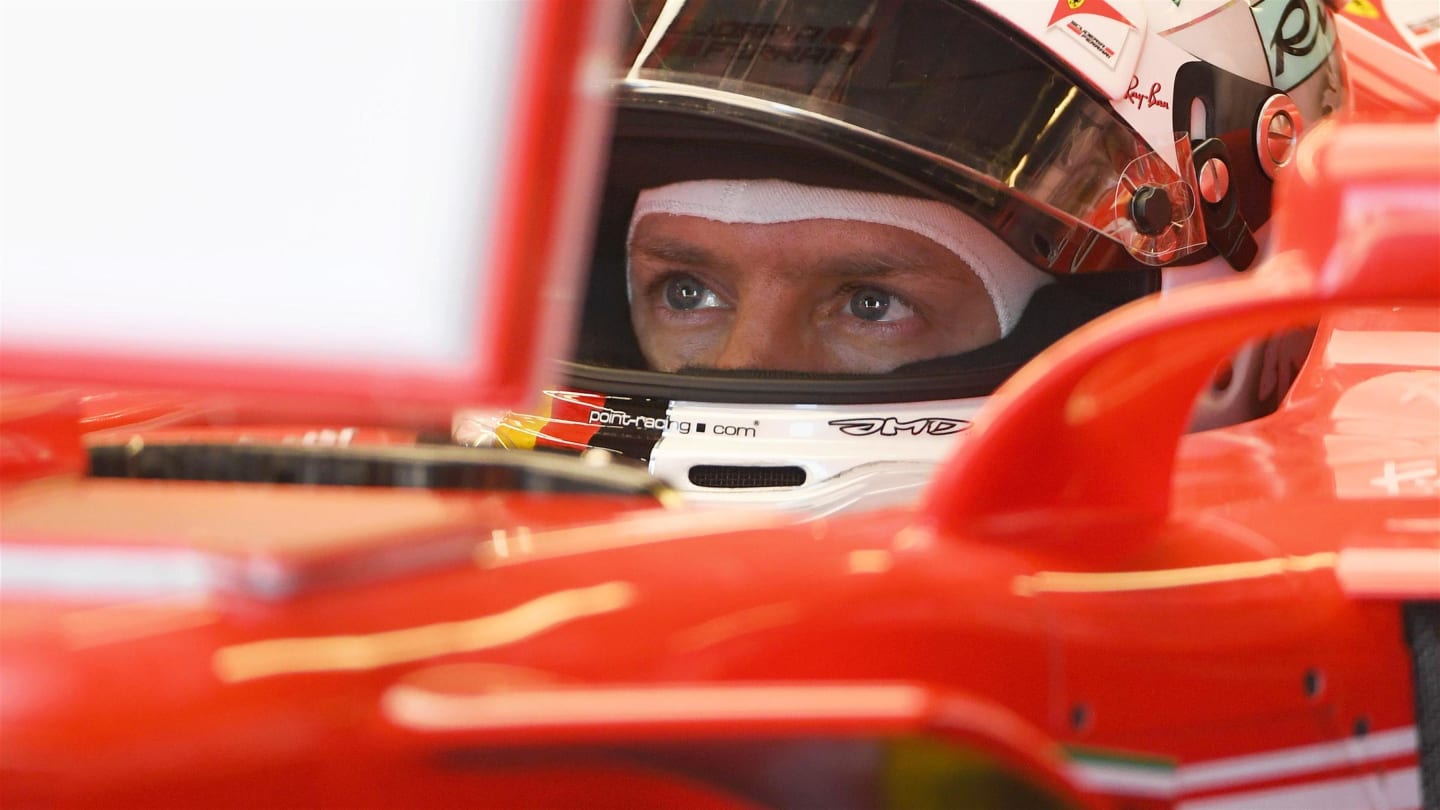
x=724, y=476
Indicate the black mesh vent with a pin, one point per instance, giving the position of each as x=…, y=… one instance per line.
x=724, y=476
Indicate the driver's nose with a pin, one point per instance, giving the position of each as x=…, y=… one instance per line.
x=764, y=334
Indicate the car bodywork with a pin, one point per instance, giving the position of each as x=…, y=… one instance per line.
x=1232, y=638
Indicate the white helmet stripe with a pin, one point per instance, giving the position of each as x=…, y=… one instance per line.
x=1009, y=279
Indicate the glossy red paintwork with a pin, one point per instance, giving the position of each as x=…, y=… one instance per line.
x=1110, y=410
x=1125, y=615
x=537, y=642
x=1389, y=71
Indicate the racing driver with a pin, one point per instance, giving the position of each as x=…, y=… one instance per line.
x=832, y=227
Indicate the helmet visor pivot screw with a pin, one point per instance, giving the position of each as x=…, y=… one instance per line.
x=1278, y=132
x=1214, y=180
x=1150, y=210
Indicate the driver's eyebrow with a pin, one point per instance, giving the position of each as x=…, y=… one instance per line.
x=676, y=251
x=873, y=264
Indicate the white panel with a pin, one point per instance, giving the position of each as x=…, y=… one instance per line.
x=304, y=180
x=1393, y=790
x=1353, y=347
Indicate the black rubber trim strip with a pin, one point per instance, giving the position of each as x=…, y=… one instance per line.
x=420, y=466
x=748, y=387
x=1422, y=632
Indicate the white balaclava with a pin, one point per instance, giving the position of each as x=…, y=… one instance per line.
x=1009, y=279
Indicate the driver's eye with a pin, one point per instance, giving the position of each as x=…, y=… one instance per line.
x=685, y=293
x=870, y=304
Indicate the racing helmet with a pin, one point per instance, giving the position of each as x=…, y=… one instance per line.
x=1101, y=149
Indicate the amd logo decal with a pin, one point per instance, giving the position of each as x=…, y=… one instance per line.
x=891, y=426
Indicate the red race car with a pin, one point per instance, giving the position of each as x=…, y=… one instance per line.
x=242, y=563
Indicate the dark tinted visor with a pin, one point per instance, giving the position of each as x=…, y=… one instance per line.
x=922, y=77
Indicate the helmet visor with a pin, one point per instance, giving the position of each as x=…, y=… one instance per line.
x=993, y=119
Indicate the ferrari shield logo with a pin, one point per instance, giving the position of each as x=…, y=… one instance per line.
x=1362, y=8
x=1099, y=8
x=1096, y=25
